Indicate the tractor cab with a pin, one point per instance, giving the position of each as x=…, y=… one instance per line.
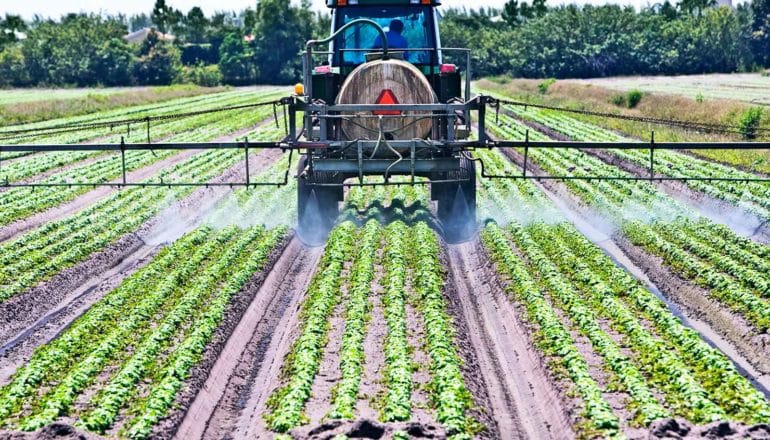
x=412, y=31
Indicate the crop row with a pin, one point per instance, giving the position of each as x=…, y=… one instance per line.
x=651, y=219
x=411, y=274
x=569, y=287
x=166, y=313
x=133, y=112
x=60, y=244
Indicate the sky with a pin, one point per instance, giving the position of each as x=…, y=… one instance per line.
x=55, y=8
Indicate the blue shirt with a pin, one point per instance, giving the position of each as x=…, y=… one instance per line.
x=395, y=41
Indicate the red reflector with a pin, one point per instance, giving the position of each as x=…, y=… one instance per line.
x=323, y=69
x=387, y=97
x=447, y=68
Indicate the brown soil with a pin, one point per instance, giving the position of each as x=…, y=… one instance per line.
x=751, y=346
x=240, y=308
x=329, y=372
x=369, y=429
x=524, y=400
x=20, y=336
x=681, y=429
x=57, y=431
x=415, y=337
x=374, y=341
x=240, y=379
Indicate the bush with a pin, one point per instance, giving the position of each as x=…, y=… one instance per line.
x=634, y=96
x=766, y=72
x=543, y=86
x=749, y=122
x=618, y=100
x=206, y=76
x=699, y=98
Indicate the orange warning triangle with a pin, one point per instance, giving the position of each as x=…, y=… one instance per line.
x=387, y=97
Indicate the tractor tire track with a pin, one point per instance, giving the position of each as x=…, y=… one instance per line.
x=524, y=401
x=231, y=401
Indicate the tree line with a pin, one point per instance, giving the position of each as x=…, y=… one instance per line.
x=693, y=36
x=261, y=44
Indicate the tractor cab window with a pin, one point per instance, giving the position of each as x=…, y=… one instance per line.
x=407, y=28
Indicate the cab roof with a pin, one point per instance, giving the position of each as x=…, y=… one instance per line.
x=343, y=3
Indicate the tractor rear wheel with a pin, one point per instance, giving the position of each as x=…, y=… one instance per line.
x=456, y=202
x=317, y=205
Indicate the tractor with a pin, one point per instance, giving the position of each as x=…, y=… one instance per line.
x=378, y=99
x=382, y=102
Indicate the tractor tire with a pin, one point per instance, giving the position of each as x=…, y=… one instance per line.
x=456, y=202
x=317, y=206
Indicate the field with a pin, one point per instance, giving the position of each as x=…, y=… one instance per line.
x=747, y=87
x=580, y=309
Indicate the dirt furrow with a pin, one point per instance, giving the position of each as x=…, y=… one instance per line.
x=374, y=359
x=320, y=402
x=232, y=398
x=524, y=401
x=19, y=338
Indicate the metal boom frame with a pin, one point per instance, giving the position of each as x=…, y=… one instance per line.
x=407, y=166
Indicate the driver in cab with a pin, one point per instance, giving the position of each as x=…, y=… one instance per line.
x=395, y=39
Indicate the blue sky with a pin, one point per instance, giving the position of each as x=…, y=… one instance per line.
x=55, y=8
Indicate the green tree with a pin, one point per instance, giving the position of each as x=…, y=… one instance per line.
x=114, y=61
x=280, y=34
x=760, y=31
x=9, y=26
x=164, y=17
x=196, y=25
x=139, y=21
x=236, y=61
x=13, y=71
x=73, y=51
x=696, y=7
x=511, y=12
x=161, y=65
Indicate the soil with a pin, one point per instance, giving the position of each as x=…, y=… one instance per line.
x=197, y=384
x=681, y=429
x=241, y=377
x=374, y=341
x=54, y=431
x=524, y=400
x=329, y=372
x=369, y=429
